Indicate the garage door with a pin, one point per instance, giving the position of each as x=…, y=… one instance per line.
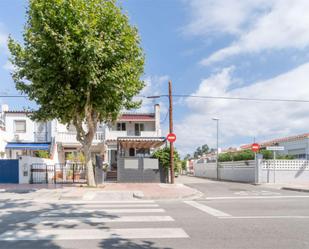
x=9, y=171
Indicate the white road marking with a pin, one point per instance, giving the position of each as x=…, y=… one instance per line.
x=109, y=202
x=94, y=202
x=266, y=217
x=112, y=206
x=207, y=209
x=88, y=234
x=255, y=197
x=65, y=220
x=105, y=211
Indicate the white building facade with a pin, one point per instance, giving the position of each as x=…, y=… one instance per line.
x=133, y=135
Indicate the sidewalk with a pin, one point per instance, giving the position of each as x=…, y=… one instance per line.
x=292, y=187
x=104, y=192
x=154, y=191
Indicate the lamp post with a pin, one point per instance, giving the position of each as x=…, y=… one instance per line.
x=217, y=150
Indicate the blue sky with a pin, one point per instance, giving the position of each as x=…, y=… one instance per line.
x=255, y=48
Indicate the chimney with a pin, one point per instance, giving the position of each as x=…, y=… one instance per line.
x=157, y=118
x=4, y=108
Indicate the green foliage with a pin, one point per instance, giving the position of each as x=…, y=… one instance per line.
x=187, y=157
x=267, y=154
x=78, y=56
x=201, y=151
x=285, y=157
x=249, y=155
x=76, y=157
x=164, y=157
x=81, y=62
x=42, y=154
x=183, y=164
x=236, y=156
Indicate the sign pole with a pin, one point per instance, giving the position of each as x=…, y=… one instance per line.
x=170, y=97
x=274, y=166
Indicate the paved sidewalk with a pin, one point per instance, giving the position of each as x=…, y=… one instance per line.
x=108, y=191
x=154, y=191
x=293, y=187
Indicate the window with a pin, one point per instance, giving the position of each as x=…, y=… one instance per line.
x=20, y=126
x=131, y=152
x=138, y=128
x=121, y=126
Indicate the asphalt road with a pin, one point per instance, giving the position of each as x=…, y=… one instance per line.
x=230, y=215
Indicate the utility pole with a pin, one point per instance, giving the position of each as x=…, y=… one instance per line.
x=170, y=97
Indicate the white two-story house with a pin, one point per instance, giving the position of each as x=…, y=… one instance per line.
x=133, y=135
x=24, y=136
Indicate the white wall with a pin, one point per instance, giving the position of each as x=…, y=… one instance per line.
x=3, y=138
x=242, y=171
x=24, y=166
x=31, y=128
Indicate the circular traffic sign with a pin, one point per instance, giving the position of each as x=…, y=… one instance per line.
x=171, y=137
x=255, y=147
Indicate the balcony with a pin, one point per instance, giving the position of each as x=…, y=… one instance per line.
x=70, y=137
x=40, y=137
x=113, y=135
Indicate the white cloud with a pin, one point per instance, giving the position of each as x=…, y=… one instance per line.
x=223, y=16
x=257, y=25
x=243, y=120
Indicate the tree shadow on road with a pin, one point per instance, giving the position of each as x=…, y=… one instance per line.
x=120, y=243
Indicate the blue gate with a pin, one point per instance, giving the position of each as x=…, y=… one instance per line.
x=9, y=171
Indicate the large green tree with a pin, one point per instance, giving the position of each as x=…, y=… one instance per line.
x=81, y=62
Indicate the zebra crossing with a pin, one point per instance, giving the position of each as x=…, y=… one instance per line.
x=97, y=221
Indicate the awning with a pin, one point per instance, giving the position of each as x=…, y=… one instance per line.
x=140, y=142
x=28, y=146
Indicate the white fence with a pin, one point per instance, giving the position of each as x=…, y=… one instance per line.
x=262, y=171
x=285, y=171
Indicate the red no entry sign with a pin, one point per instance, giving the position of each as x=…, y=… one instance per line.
x=255, y=147
x=171, y=137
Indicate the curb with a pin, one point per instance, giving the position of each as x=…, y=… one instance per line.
x=295, y=189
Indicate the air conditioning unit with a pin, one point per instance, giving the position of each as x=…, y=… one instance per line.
x=16, y=137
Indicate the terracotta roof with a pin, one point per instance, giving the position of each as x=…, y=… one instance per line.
x=137, y=116
x=278, y=140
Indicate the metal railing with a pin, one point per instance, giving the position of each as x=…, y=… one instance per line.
x=71, y=137
x=58, y=173
x=40, y=136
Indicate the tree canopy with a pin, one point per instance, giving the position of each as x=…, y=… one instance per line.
x=81, y=62
x=204, y=149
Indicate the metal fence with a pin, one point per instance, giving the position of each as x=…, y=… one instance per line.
x=58, y=173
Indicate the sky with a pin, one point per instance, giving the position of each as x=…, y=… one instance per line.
x=234, y=48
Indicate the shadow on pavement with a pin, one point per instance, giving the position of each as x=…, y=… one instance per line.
x=128, y=244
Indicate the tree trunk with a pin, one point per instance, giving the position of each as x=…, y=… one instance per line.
x=90, y=171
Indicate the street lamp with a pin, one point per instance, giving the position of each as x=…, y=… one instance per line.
x=217, y=150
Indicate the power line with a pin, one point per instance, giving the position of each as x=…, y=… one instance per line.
x=233, y=98
x=201, y=97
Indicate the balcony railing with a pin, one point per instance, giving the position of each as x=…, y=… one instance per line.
x=40, y=137
x=113, y=135
x=70, y=137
